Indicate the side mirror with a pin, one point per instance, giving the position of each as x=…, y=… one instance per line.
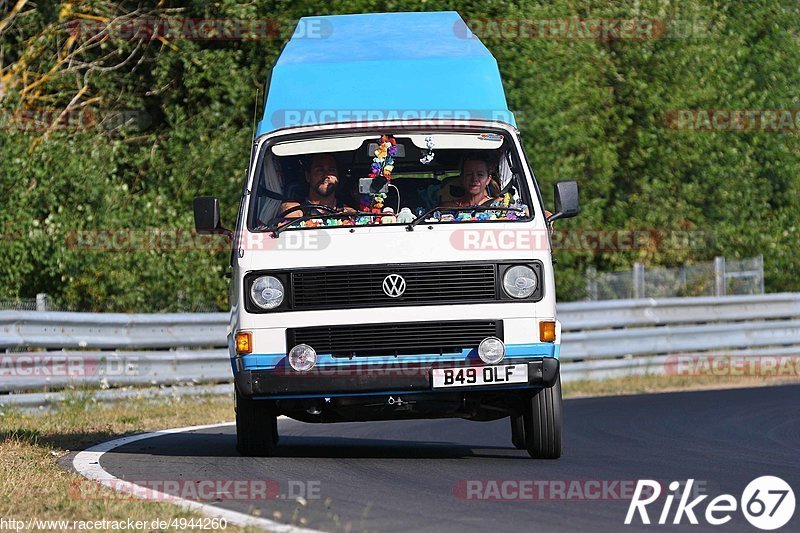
x=206, y=215
x=566, y=195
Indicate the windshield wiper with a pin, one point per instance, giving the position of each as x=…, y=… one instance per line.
x=275, y=229
x=472, y=209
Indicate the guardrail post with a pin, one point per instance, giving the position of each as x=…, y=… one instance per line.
x=760, y=268
x=638, y=280
x=682, y=278
x=720, y=285
x=591, y=283
x=42, y=303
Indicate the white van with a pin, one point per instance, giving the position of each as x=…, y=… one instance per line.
x=391, y=257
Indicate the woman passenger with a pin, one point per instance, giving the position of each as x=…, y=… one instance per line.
x=476, y=181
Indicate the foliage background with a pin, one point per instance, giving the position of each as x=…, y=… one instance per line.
x=589, y=110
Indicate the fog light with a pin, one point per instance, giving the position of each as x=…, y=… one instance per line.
x=491, y=350
x=302, y=357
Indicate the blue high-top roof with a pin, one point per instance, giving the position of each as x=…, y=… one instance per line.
x=347, y=68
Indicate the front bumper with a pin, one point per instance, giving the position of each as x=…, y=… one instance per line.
x=353, y=379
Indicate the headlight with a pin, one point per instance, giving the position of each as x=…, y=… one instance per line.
x=267, y=292
x=519, y=281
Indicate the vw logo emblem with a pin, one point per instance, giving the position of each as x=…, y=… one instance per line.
x=394, y=285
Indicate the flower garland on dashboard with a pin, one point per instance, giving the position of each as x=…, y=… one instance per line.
x=383, y=162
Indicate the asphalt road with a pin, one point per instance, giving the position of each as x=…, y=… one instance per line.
x=413, y=475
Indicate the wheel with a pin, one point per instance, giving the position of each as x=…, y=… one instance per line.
x=256, y=427
x=518, y=431
x=544, y=423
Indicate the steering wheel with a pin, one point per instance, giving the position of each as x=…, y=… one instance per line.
x=300, y=207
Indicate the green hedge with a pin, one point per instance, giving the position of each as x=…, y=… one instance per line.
x=591, y=110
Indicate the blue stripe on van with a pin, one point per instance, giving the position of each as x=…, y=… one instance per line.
x=269, y=361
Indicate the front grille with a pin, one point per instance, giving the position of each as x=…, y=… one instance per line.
x=395, y=339
x=426, y=284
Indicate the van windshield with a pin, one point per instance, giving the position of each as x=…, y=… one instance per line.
x=385, y=179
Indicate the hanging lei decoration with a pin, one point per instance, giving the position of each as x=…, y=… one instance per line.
x=383, y=162
x=382, y=166
x=427, y=157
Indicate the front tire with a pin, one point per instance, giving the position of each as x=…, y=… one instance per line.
x=256, y=427
x=544, y=423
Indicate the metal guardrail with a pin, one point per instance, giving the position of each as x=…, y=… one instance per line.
x=599, y=340
x=32, y=329
x=61, y=369
x=678, y=339
x=654, y=312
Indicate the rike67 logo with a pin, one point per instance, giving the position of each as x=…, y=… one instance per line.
x=767, y=503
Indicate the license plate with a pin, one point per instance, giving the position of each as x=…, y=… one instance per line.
x=473, y=376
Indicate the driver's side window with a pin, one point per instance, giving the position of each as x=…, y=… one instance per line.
x=269, y=190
